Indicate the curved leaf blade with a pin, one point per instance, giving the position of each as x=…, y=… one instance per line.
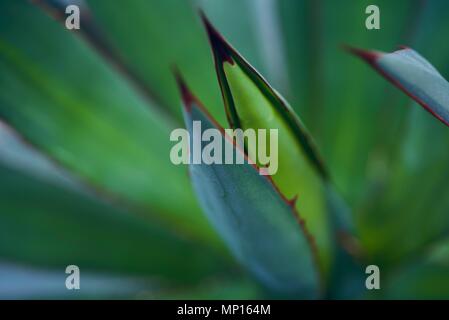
x=152, y=43
x=415, y=76
x=104, y=133
x=256, y=222
x=91, y=31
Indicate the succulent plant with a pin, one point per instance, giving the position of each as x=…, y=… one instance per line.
x=86, y=179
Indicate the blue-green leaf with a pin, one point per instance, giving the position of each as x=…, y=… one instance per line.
x=260, y=226
x=414, y=75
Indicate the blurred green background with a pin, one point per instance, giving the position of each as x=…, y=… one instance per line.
x=85, y=117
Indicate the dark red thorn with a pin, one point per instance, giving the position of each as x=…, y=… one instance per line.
x=187, y=97
x=366, y=55
x=219, y=45
x=292, y=201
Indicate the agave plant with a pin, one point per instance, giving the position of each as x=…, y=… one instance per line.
x=86, y=179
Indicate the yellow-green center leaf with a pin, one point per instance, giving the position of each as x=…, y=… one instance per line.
x=251, y=103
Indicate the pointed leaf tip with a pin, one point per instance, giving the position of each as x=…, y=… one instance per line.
x=414, y=75
x=251, y=103
x=220, y=47
x=186, y=95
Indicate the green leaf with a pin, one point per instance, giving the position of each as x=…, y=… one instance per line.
x=65, y=100
x=152, y=43
x=258, y=224
x=16, y=154
x=251, y=103
x=414, y=75
x=51, y=226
